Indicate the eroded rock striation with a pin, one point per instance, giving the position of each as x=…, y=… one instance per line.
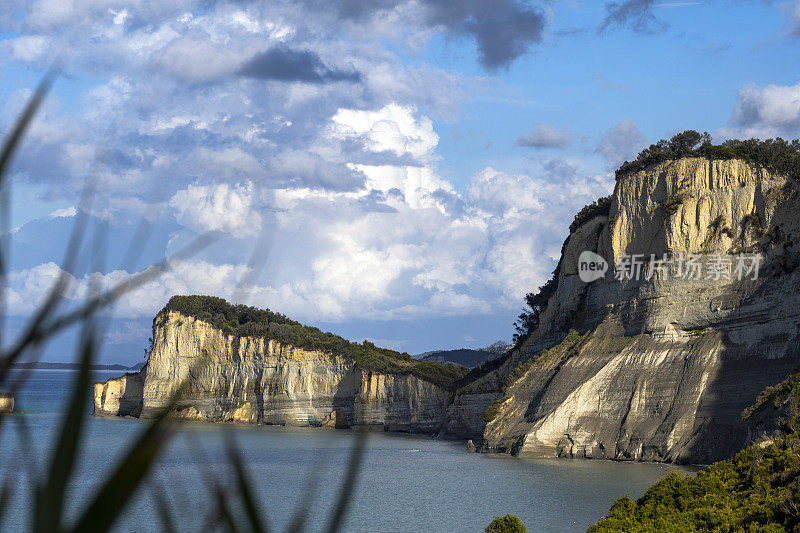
x=255, y=379
x=654, y=369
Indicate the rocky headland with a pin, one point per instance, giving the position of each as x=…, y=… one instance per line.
x=241, y=364
x=654, y=365
x=656, y=369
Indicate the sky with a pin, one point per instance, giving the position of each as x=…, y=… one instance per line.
x=398, y=171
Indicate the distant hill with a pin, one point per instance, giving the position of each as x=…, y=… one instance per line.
x=465, y=356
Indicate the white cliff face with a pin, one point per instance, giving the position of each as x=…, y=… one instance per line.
x=6, y=402
x=665, y=366
x=247, y=379
x=120, y=396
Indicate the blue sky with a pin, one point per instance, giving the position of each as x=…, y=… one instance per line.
x=412, y=166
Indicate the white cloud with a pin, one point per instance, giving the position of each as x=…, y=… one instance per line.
x=228, y=208
x=765, y=112
x=66, y=212
x=393, y=128
x=29, y=47
x=364, y=224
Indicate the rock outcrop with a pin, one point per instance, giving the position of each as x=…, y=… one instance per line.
x=655, y=369
x=257, y=380
x=6, y=403
x=120, y=396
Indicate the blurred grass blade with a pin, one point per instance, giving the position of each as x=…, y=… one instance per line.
x=51, y=494
x=38, y=333
x=224, y=511
x=162, y=506
x=112, y=498
x=10, y=146
x=339, y=511
x=245, y=488
x=12, y=141
x=297, y=523
x=5, y=498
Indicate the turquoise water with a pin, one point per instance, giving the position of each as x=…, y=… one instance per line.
x=407, y=483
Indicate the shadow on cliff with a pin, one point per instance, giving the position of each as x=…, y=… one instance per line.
x=743, y=371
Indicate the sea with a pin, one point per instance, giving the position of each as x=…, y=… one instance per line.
x=406, y=482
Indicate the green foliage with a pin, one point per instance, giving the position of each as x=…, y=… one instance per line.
x=528, y=320
x=757, y=490
x=491, y=411
x=599, y=207
x=779, y=155
x=777, y=395
x=675, y=202
x=572, y=342
x=245, y=321
x=506, y=524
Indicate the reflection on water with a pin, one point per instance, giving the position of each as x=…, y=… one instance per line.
x=408, y=483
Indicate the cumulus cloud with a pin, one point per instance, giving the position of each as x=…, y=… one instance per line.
x=222, y=207
x=28, y=288
x=28, y=47
x=192, y=113
x=545, y=135
x=621, y=142
x=770, y=111
x=66, y=212
x=394, y=128
x=285, y=64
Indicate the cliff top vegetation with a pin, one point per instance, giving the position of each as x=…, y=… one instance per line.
x=245, y=321
x=777, y=154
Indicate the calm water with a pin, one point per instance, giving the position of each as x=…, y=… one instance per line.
x=407, y=483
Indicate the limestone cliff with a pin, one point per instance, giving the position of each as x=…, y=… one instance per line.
x=661, y=368
x=254, y=379
x=6, y=403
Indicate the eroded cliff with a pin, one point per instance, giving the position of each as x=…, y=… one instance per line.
x=231, y=378
x=660, y=368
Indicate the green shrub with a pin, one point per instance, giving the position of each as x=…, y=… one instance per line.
x=675, y=202
x=491, y=411
x=756, y=490
x=245, y=321
x=777, y=154
x=506, y=524
x=599, y=207
x=776, y=396
x=571, y=343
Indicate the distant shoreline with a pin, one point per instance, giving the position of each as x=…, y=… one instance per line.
x=36, y=365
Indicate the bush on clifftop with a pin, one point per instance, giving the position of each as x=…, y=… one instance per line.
x=777, y=154
x=506, y=524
